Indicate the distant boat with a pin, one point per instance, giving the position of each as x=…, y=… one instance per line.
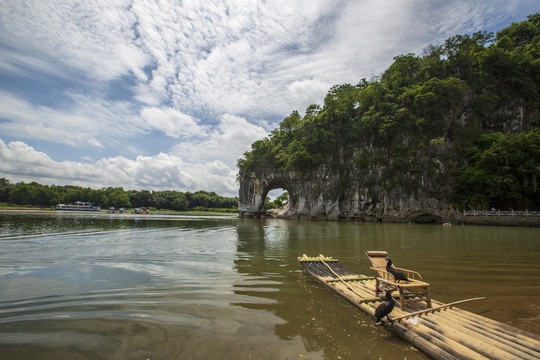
x=78, y=206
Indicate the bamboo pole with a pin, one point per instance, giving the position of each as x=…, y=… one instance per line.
x=483, y=323
x=434, y=309
x=321, y=257
x=442, y=331
x=464, y=338
x=474, y=325
x=504, y=328
x=485, y=337
x=428, y=344
x=501, y=326
x=462, y=350
x=517, y=340
x=493, y=342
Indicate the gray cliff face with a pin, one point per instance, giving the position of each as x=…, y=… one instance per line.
x=362, y=196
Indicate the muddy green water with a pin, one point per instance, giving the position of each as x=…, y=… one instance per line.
x=100, y=286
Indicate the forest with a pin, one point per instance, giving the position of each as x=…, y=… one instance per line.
x=470, y=105
x=35, y=194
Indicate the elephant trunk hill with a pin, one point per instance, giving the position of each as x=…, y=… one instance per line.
x=455, y=129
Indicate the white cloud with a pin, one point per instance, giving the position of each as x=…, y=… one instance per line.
x=27, y=64
x=172, y=122
x=145, y=95
x=94, y=36
x=20, y=162
x=230, y=138
x=307, y=92
x=82, y=124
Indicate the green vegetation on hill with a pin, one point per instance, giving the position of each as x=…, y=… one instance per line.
x=44, y=195
x=465, y=115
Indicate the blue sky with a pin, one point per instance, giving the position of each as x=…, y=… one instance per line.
x=167, y=95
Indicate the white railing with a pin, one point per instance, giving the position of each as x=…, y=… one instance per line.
x=525, y=213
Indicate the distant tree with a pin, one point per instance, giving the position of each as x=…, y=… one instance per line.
x=502, y=170
x=282, y=200
x=200, y=199
x=403, y=72
x=180, y=203
x=44, y=195
x=117, y=197
x=513, y=167
x=164, y=199
x=144, y=198
x=98, y=197
x=22, y=194
x=5, y=189
x=435, y=104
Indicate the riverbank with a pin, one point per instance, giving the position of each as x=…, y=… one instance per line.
x=27, y=209
x=157, y=212
x=531, y=221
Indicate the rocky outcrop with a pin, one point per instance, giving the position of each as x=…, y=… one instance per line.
x=328, y=195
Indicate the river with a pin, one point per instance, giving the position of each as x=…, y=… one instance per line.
x=111, y=286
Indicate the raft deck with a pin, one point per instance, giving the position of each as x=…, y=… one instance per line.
x=444, y=332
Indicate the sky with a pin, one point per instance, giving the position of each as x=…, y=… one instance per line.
x=168, y=95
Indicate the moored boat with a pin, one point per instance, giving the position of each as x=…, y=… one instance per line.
x=78, y=206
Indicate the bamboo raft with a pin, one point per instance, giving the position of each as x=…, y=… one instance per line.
x=442, y=331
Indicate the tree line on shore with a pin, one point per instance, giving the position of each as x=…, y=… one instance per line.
x=35, y=194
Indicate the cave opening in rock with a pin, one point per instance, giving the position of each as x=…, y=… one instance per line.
x=427, y=219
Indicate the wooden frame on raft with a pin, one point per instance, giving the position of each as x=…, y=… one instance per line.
x=414, y=290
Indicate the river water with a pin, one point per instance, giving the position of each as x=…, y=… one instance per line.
x=110, y=286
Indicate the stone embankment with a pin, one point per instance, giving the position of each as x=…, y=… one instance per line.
x=502, y=218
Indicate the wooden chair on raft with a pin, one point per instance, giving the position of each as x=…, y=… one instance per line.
x=413, y=290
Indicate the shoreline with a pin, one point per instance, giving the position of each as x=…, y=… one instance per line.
x=52, y=211
x=519, y=221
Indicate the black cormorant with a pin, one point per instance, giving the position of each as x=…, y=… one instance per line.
x=385, y=308
x=398, y=275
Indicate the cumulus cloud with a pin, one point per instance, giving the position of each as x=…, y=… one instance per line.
x=229, y=139
x=172, y=122
x=21, y=162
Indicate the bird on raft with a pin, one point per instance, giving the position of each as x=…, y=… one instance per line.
x=385, y=308
x=398, y=275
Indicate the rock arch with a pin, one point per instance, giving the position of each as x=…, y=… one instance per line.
x=306, y=196
x=324, y=195
x=254, y=189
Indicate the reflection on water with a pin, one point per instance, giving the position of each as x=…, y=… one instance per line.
x=97, y=286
